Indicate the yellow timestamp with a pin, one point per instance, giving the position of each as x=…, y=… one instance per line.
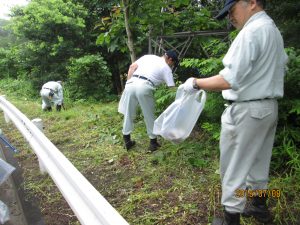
x=270, y=193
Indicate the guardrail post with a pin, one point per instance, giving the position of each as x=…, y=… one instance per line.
x=39, y=124
x=7, y=119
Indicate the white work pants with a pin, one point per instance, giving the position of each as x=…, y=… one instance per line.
x=137, y=91
x=46, y=102
x=246, y=142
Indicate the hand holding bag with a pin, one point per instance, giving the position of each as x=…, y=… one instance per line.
x=178, y=120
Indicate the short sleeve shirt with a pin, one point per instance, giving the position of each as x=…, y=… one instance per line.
x=156, y=69
x=254, y=65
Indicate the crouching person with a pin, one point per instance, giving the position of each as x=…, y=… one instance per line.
x=52, y=94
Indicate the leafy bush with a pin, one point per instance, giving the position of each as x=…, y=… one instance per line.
x=19, y=88
x=9, y=63
x=89, y=78
x=164, y=97
x=286, y=154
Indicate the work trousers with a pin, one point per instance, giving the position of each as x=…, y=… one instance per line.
x=137, y=91
x=46, y=101
x=246, y=142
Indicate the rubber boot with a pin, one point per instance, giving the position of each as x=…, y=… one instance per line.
x=229, y=219
x=128, y=142
x=257, y=208
x=154, y=145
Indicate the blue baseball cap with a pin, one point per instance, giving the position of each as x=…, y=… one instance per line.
x=173, y=55
x=224, y=11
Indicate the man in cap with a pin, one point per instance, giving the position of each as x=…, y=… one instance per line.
x=52, y=93
x=251, y=82
x=143, y=76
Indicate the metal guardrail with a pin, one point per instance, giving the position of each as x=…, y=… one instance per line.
x=90, y=207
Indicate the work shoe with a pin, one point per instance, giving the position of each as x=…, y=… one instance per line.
x=229, y=219
x=58, y=108
x=154, y=145
x=128, y=142
x=48, y=108
x=257, y=208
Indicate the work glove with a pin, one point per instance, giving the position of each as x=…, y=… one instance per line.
x=58, y=108
x=188, y=86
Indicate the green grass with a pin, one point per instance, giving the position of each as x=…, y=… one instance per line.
x=175, y=185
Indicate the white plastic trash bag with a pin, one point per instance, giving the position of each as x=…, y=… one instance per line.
x=178, y=120
x=5, y=170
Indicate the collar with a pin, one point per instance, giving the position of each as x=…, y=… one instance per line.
x=255, y=17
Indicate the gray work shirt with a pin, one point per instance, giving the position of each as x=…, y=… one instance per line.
x=254, y=65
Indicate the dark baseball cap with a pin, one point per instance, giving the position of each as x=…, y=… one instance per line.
x=173, y=55
x=224, y=11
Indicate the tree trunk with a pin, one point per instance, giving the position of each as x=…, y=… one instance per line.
x=128, y=31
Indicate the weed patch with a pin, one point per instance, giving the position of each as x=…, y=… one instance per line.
x=178, y=184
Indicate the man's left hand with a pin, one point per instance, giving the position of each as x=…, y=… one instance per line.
x=188, y=85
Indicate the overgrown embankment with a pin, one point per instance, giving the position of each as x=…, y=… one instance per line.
x=176, y=185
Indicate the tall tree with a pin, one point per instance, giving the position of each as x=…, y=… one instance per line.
x=130, y=43
x=54, y=30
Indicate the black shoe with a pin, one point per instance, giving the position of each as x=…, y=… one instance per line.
x=257, y=208
x=128, y=142
x=154, y=145
x=58, y=108
x=49, y=109
x=229, y=219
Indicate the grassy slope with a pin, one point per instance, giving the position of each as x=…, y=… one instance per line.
x=175, y=185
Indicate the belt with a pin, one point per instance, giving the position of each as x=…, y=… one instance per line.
x=251, y=100
x=48, y=89
x=144, y=78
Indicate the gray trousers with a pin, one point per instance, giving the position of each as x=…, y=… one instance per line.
x=137, y=91
x=246, y=142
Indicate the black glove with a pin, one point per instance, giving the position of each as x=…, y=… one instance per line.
x=58, y=108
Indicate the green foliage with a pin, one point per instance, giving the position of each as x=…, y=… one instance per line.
x=52, y=31
x=286, y=157
x=292, y=78
x=209, y=66
x=164, y=97
x=290, y=105
x=152, y=17
x=8, y=66
x=19, y=88
x=5, y=35
x=285, y=153
x=89, y=76
x=115, y=39
x=45, y=20
x=286, y=16
x=213, y=129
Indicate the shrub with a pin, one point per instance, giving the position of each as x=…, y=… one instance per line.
x=89, y=78
x=17, y=87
